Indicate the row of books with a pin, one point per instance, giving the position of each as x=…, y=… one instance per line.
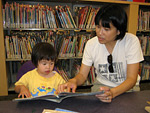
x=75, y=70
x=145, y=44
x=144, y=20
x=63, y=73
x=73, y=47
x=20, y=46
x=145, y=72
x=85, y=16
x=17, y=15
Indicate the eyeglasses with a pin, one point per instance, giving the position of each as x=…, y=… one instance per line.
x=109, y=59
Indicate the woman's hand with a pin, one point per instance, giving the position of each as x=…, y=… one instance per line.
x=107, y=96
x=70, y=86
x=24, y=92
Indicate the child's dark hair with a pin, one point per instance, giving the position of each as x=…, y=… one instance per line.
x=114, y=14
x=43, y=51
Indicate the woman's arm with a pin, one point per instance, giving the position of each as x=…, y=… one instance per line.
x=82, y=75
x=132, y=73
x=78, y=80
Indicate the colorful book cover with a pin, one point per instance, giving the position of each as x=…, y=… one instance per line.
x=60, y=97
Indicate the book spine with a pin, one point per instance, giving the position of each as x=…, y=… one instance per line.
x=7, y=47
x=63, y=17
x=21, y=15
x=90, y=18
x=87, y=17
x=71, y=18
x=7, y=9
x=56, y=9
x=84, y=17
x=4, y=18
x=53, y=18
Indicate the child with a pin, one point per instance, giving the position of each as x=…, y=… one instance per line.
x=42, y=80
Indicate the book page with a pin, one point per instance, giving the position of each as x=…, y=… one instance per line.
x=58, y=98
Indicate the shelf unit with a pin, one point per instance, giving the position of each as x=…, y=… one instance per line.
x=144, y=31
x=131, y=8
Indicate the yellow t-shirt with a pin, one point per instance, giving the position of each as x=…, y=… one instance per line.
x=39, y=85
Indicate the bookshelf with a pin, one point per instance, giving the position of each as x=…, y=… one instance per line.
x=132, y=9
x=3, y=76
x=143, y=33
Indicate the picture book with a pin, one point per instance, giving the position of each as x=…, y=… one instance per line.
x=58, y=110
x=58, y=98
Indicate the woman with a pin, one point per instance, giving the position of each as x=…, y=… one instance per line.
x=114, y=53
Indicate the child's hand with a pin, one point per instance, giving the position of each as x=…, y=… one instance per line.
x=24, y=92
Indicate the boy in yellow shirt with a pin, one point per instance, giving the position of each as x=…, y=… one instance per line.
x=42, y=80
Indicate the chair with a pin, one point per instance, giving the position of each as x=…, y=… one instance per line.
x=27, y=66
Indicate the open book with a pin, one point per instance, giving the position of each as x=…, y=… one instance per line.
x=58, y=98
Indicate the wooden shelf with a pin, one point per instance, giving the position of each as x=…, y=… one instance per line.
x=131, y=8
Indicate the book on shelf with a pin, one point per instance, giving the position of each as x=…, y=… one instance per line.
x=63, y=74
x=60, y=97
x=145, y=72
x=90, y=18
x=92, y=24
x=81, y=15
x=4, y=17
x=70, y=15
x=85, y=16
x=61, y=11
x=145, y=44
x=67, y=47
x=17, y=15
x=20, y=44
x=51, y=18
x=81, y=45
x=7, y=47
x=12, y=20
x=143, y=20
x=7, y=15
x=60, y=17
x=68, y=18
x=92, y=75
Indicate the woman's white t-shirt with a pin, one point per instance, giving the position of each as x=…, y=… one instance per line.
x=126, y=51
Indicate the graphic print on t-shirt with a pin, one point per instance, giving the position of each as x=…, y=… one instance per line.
x=117, y=76
x=43, y=91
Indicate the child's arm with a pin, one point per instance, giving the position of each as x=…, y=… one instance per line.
x=23, y=91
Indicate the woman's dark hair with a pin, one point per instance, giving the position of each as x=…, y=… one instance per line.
x=114, y=14
x=43, y=51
